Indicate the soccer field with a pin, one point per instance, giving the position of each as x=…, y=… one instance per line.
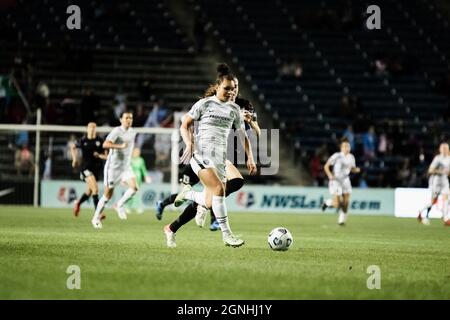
x=129, y=259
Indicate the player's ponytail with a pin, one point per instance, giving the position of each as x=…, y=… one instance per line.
x=223, y=73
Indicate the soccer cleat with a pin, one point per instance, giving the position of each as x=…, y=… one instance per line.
x=121, y=212
x=170, y=237
x=159, y=209
x=200, y=217
x=232, y=241
x=96, y=223
x=447, y=223
x=214, y=226
x=76, y=208
x=342, y=219
x=324, y=206
x=426, y=221
x=180, y=199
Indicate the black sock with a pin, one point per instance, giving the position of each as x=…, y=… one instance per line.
x=83, y=198
x=187, y=215
x=233, y=185
x=428, y=210
x=169, y=200
x=213, y=216
x=95, y=198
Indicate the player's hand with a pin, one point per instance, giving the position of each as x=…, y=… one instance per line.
x=356, y=170
x=247, y=116
x=96, y=154
x=123, y=145
x=187, y=155
x=74, y=163
x=251, y=166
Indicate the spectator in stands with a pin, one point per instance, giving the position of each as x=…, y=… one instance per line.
x=348, y=133
x=363, y=181
x=155, y=118
x=23, y=161
x=404, y=173
x=139, y=116
x=291, y=69
x=316, y=169
x=369, y=143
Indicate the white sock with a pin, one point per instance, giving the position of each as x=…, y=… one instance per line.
x=341, y=211
x=197, y=197
x=329, y=202
x=445, y=210
x=126, y=196
x=100, y=206
x=220, y=210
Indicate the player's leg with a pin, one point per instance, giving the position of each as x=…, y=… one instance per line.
x=110, y=179
x=131, y=182
x=93, y=188
x=235, y=181
x=85, y=196
x=170, y=229
x=346, y=190
x=162, y=204
x=334, y=201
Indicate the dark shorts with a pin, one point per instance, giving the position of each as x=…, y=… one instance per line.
x=89, y=171
x=187, y=176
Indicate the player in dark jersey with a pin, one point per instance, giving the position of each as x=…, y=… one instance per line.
x=93, y=156
x=186, y=176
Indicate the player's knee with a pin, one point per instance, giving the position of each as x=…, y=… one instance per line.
x=234, y=185
x=218, y=190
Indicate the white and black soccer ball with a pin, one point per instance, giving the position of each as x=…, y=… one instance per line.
x=280, y=239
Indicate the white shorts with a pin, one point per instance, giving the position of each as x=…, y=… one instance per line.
x=438, y=185
x=200, y=162
x=113, y=176
x=339, y=187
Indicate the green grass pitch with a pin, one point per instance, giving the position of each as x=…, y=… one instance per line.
x=129, y=259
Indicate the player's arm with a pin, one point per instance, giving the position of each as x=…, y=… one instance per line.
x=108, y=144
x=73, y=153
x=188, y=138
x=433, y=168
x=248, y=117
x=245, y=141
x=102, y=156
x=355, y=170
x=327, y=170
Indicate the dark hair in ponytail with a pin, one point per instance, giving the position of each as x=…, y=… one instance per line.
x=223, y=73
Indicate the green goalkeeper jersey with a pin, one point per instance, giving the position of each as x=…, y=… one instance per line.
x=139, y=169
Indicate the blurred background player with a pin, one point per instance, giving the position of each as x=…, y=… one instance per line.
x=339, y=184
x=118, y=167
x=216, y=115
x=438, y=183
x=93, y=155
x=140, y=172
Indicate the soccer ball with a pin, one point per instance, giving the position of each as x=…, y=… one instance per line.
x=280, y=239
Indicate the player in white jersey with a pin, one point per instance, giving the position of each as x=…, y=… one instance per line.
x=339, y=184
x=438, y=183
x=216, y=115
x=118, y=167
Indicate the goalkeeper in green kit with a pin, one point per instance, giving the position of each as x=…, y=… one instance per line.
x=140, y=171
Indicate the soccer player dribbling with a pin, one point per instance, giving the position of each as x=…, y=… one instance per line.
x=215, y=115
x=120, y=143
